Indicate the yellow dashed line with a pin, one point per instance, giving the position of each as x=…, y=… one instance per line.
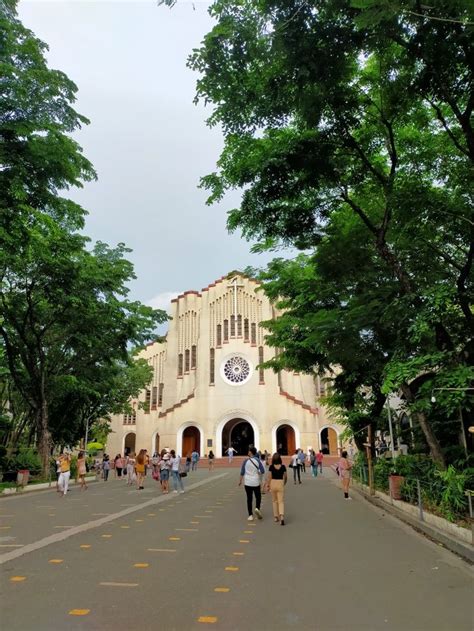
x=141, y=565
x=207, y=619
x=17, y=579
x=124, y=526
x=187, y=529
x=174, y=538
x=119, y=584
x=222, y=589
x=244, y=541
x=5, y=527
x=238, y=554
x=151, y=514
x=194, y=522
x=231, y=568
x=85, y=546
x=55, y=561
x=106, y=536
x=160, y=550
x=248, y=532
x=79, y=612
x=139, y=520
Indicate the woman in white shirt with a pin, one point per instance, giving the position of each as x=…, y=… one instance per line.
x=177, y=480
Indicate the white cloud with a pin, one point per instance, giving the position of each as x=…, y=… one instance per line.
x=163, y=300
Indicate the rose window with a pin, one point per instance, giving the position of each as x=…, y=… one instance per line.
x=236, y=370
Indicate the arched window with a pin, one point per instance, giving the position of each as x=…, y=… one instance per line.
x=219, y=335
x=239, y=326
x=211, y=366
x=246, y=330
x=232, y=326
x=154, y=397
x=261, y=372
x=253, y=334
x=180, y=365
x=160, y=394
x=147, y=400
x=186, y=360
x=193, y=356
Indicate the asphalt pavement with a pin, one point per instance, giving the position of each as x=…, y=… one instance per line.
x=115, y=558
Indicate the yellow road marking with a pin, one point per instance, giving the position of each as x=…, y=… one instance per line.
x=106, y=536
x=105, y=584
x=204, y=516
x=124, y=526
x=248, y=532
x=55, y=561
x=194, y=522
x=5, y=527
x=17, y=579
x=244, y=541
x=51, y=514
x=139, y=520
x=238, y=554
x=222, y=589
x=208, y=511
x=151, y=514
x=207, y=619
x=187, y=529
x=162, y=509
x=231, y=568
x=79, y=612
x=85, y=546
x=141, y=565
x=174, y=538
x=160, y=550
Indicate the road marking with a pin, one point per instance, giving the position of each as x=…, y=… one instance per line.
x=141, y=565
x=231, y=568
x=187, y=529
x=174, y=538
x=46, y=506
x=86, y=546
x=139, y=520
x=244, y=541
x=106, y=536
x=194, y=522
x=238, y=554
x=5, y=527
x=51, y=514
x=208, y=511
x=96, y=523
x=151, y=514
x=17, y=579
x=119, y=584
x=222, y=589
x=203, y=516
x=248, y=532
x=161, y=509
x=79, y=612
x=160, y=550
x=55, y=560
x=124, y=526
x=207, y=619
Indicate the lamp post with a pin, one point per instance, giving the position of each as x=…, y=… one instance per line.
x=463, y=433
x=390, y=428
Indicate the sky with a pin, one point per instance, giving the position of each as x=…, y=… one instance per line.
x=147, y=140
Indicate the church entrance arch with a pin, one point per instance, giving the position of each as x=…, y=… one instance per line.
x=239, y=434
x=129, y=444
x=285, y=440
x=328, y=441
x=191, y=440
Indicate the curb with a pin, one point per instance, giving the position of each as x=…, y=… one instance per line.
x=15, y=491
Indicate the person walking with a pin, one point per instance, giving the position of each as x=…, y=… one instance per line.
x=105, y=467
x=82, y=469
x=319, y=460
x=230, y=452
x=314, y=463
x=302, y=460
x=188, y=463
x=250, y=474
x=210, y=460
x=175, y=472
x=65, y=468
x=295, y=465
x=276, y=482
x=140, y=465
x=165, y=471
x=118, y=462
x=345, y=472
x=194, y=460
x=131, y=462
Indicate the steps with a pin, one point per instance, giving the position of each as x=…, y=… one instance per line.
x=223, y=463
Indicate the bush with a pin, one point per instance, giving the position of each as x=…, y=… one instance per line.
x=24, y=459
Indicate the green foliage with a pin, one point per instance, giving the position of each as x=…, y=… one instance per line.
x=23, y=459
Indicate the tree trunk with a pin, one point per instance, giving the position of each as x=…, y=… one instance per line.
x=44, y=439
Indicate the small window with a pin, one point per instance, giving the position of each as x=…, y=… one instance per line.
x=154, y=397
x=253, y=333
x=226, y=330
x=193, y=356
x=147, y=400
x=239, y=326
x=246, y=330
x=134, y=416
x=186, y=360
x=160, y=394
x=232, y=326
x=219, y=335
x=211, y=366
x=261, y=372
x=180, y=365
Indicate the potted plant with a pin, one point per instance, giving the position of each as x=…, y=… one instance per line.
x=395, y=481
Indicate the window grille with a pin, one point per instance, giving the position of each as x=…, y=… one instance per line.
x=253, y=334
x=193, y=356
x=180, y=365
x=261, y=372
x=232, y=326
x=246, y=330
x=211, y=366
x=160, y=394
x=186, y=360
x=219, y=335
x=154, y=397
x=239, y=326
x=226, y=330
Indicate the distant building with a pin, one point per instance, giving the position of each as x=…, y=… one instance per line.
x=207, y=390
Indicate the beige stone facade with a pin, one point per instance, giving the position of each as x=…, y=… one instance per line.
x=207, y=391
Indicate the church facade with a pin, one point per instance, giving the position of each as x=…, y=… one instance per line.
x=207, y=390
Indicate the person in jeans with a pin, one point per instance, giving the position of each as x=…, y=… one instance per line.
x=250, y=474
x=194, y=460
x=177, y=480
x=319, y=460
x=276, y=481
x=65, y=468
x=314, y=463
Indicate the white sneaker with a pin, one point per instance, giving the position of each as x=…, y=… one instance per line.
x=250, y=518
x=258, y=513
x=181, y=491
x=348, y=498
x=175, y=491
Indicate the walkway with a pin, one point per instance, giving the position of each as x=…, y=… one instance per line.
x=143, y=561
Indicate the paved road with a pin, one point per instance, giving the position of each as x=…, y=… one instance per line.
x=113, y=558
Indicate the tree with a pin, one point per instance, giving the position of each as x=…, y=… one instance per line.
x=329, y=109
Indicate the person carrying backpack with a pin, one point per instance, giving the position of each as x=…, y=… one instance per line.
x=250, y=474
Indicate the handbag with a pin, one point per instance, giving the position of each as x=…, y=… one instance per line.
x=183, y=474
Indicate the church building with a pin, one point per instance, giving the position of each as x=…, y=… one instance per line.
x=208, y=391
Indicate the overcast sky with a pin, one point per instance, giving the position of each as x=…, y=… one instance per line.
x=147, y=140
